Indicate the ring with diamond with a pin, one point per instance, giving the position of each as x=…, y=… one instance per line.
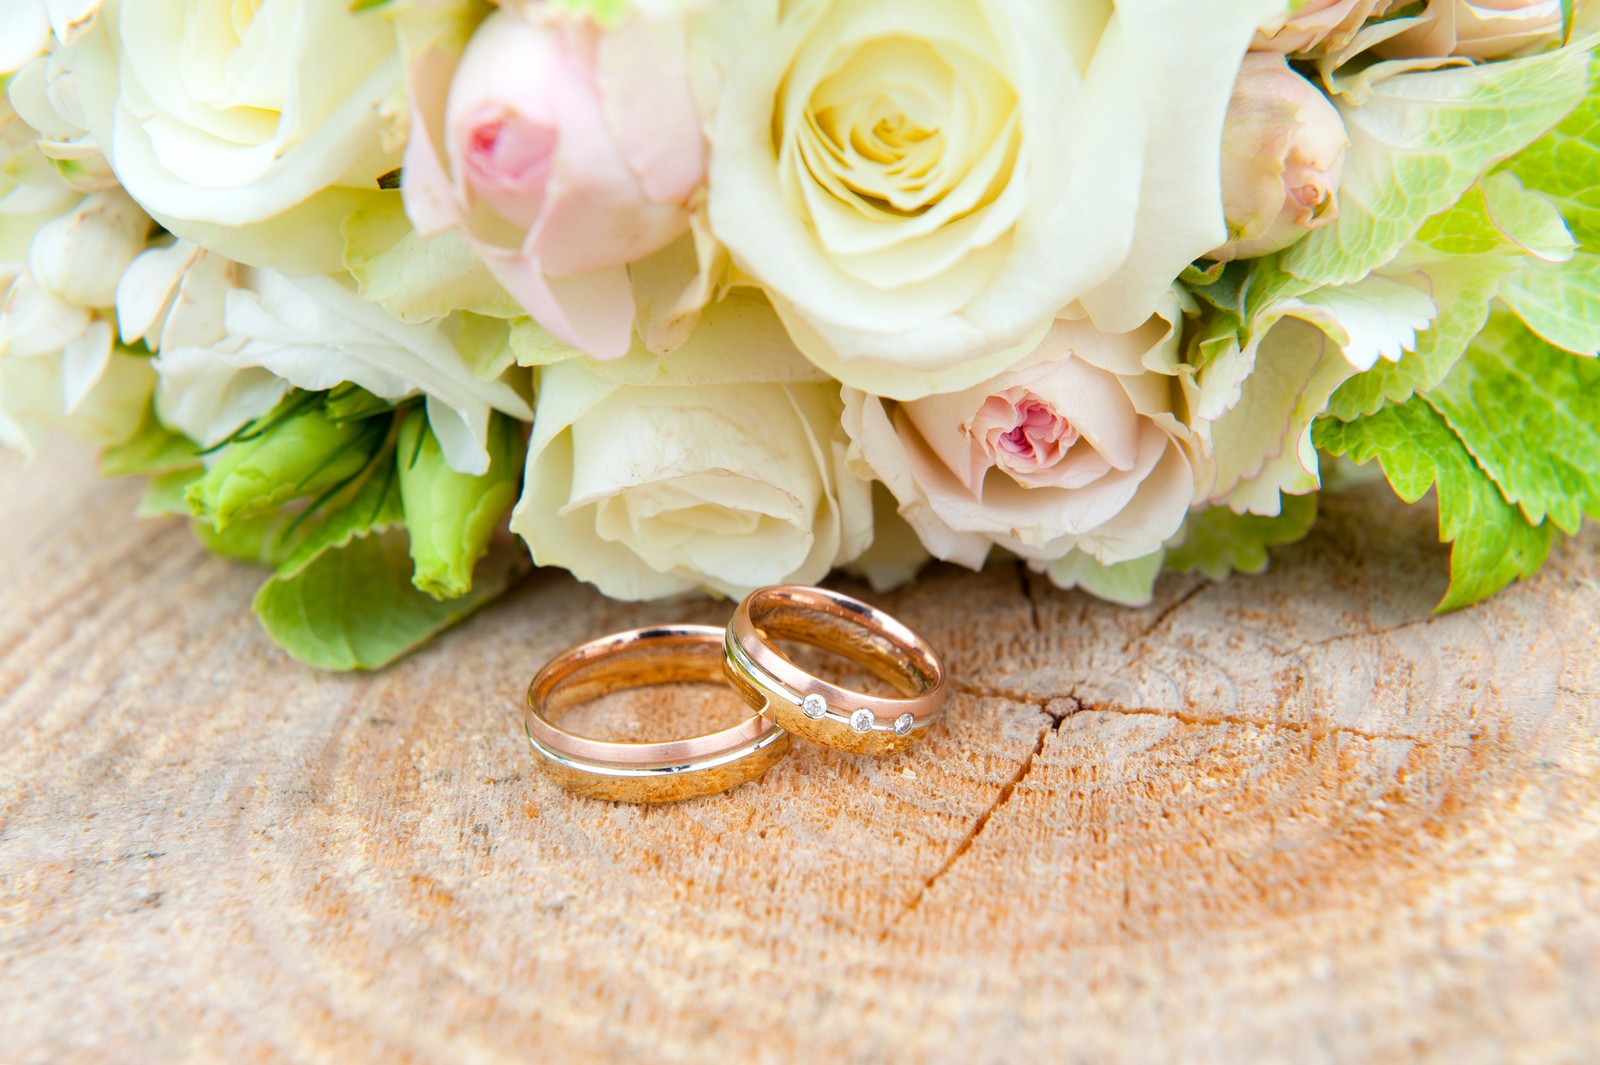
x=821, y=711
x=644, y=772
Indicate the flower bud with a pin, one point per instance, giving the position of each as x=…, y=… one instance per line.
x=1482, y=29
x=1282, y=149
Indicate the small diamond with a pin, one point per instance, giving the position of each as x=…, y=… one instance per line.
x=903, y=723
x=814, y=706
x=862, y=720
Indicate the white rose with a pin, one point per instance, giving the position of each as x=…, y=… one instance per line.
x=720, y=467
x=252, y=134
x=926, y=185
x=311, y=332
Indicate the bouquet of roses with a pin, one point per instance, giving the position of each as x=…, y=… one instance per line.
x=713, y=294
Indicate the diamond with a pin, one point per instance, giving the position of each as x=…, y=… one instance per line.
x=903, y=723
x=862, y=720
x=813, y=706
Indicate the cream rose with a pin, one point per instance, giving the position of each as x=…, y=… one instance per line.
x=1082, y=447
x=720, y=467
x=254, y=136
x=923, y=186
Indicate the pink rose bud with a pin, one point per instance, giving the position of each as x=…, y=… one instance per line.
x=1482, y=29
x=1318, y=25
x=561, y=152
x=1282, y=149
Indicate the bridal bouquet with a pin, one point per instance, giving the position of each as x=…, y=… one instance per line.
x=686, y=295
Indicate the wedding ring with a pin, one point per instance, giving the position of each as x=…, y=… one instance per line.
x=644, y=772
x=814, y=708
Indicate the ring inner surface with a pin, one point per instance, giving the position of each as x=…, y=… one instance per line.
x=828, y=625
x=637, y=660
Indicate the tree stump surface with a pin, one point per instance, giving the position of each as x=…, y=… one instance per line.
x=1291, y=817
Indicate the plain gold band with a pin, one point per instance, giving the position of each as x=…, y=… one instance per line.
x=644, y=772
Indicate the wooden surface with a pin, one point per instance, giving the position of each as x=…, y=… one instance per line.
x=1286, y=818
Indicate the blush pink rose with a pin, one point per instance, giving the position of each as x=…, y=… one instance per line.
x=561, y=152
x=1081, y=447
x=1317, y=25
x=1482, y=29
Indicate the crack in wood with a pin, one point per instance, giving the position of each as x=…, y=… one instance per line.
x=1025, y=578
x=1052, y=723
x=1165, y=614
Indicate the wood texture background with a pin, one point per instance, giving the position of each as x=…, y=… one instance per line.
x=1286, y=818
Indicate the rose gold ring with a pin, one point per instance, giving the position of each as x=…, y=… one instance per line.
x=644, y=772
x=811, y=707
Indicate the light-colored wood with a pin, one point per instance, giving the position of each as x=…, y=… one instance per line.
x=1287, y=818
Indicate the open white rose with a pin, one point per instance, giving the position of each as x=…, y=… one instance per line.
x=923, y=186
x=254, y=136
x=310, y=332
x=719, y=467
x=1084, y=447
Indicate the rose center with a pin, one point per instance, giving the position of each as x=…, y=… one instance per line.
x=508, y=149
x=1039, y=436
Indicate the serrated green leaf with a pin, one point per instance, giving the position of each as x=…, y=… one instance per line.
x=1492, y=542
x=1529, y=413
x=354, y=607
x=1463, y=290
x=300, y=456
x=1419, y=141
x=1462, y=255
x=1564, y=164
x=452, y=516
x=1559, y=301
x=153, y=448
x=1216, y=541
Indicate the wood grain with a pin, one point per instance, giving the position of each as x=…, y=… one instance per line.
x=1286, y=818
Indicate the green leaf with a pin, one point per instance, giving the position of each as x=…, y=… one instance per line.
x=352, y=403
x=153, y=448
x=353, y=607
x=300, y=456
x=1529, y=413
x=372, y=505
x=1559, y=301
x=1419, y=140
x=451, y=516
x=1462, y=255
x=417, y=279
x=261, y=540
x=1492, y=542
x=1216, y=541
x=1130, y=583
x=164, y=493
x=1564, y=164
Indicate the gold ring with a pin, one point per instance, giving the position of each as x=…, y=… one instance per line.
x=644, y=772
x=814, y=708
